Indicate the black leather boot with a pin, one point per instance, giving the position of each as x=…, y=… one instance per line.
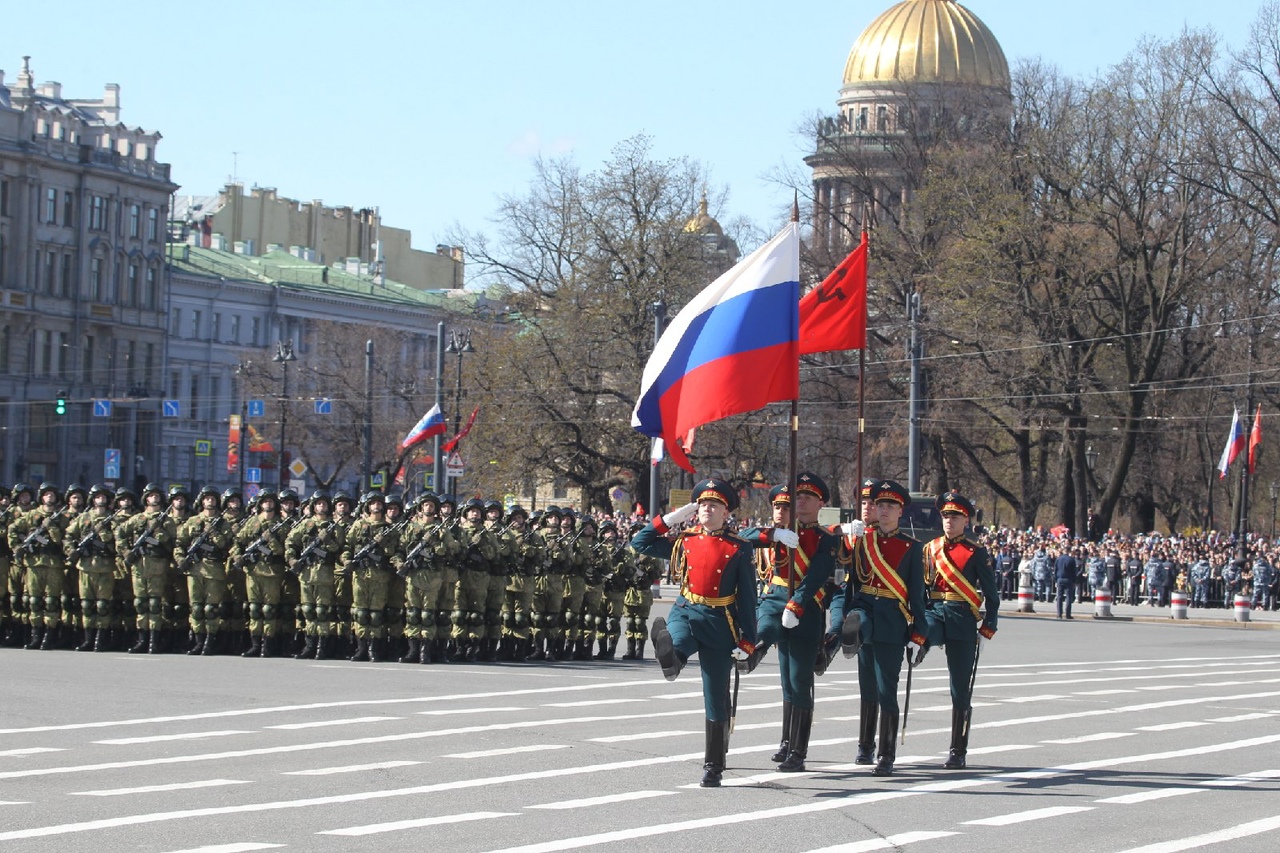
x=213, y=642
x=801, y=724
x=668, y=658
x=362, y=650
x=100, y=643
x=324, y=647
x=49, y=640
x=37, y=637
x=86, y=645
x=375, y=650
x=198, y=648
x=959, y=738
x=308, y=651
x=154, y=647
x=713, y=755
x=631, y=649
x=640, y=643
x=784, y=747
x=268, y=646
x=144, y=640
x=867, y=733
x=255, y=647
x=539, y=648
x=603, y=652
x=888, y=744
x=412, y=653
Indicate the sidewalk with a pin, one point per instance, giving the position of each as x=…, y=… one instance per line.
x=1217, y=617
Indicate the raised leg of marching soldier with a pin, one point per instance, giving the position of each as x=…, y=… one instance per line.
x=575, y=588
x=467, y=617
x=614, y=608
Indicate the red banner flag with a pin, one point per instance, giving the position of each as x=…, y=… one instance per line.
x=1255, y=439
x=833, y=315
x=450, y=445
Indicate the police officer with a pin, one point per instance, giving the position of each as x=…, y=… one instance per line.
x=147, y=541
x=882, y=610
x=962, y=593
x=203, y=544
x=792, y=614
x=714, y=616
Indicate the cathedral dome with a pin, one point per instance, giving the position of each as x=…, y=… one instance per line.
x=704, y=222
x=927, y=41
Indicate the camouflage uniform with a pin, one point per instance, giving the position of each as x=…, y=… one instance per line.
x=471, y=593
x=371, y=544
x=638, y=601
x=258, y=551
x=203, y=544
x=146, y=546
x=428, y=549
x=91, y=547
x=517, y=607
x=36, y=540
x=312, y=550
x=619, y=567
x=548, y=588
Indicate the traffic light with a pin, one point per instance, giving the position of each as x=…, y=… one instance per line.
x=60, y=407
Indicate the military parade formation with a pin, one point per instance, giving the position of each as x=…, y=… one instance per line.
x=373, y=579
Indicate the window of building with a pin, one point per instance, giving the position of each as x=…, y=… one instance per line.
x=131, y=287
x=4, y=349
x=257, y=332
x=131, y=364
x=50, y=272
x=195, y=398
x=560, y=488
x=135, y=221
x=68, y=210
x=2, y=259
x=87, y=364
x=861, y=123
x=68, y=275
x=215, y=396
x=51, y=206
x=234, y=334
x=153, y=224
x=42, y=348
x=142, y=152
x=148, y=363
x=97, y=281
x=176, y=329
x=195, y=324
x=882, y=118
x=4, y=197
x=98, y=213
x=61, y=354
x=215, y=329
x=175, y=384
x=151, y=293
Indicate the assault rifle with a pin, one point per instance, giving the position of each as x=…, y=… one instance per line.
x=365, y=555
x=310, y=555
x=39, y=536
x=140, y=544
x=198, y=544
x=92, y=541
x=256, y=552
x=410, y=563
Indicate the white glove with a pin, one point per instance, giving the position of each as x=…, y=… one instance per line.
x=853, y=528
x=681, y=515
x=740, y=654
x=982, y=643
x=786, y=536
x=917, y=652
x=789, y=619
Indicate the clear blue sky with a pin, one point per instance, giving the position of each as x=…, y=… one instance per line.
x=431, y=110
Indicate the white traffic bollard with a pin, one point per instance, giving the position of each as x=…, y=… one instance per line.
x=1026, y=598
x=1244, y=607
x=1102, y=602
x=1178, y=603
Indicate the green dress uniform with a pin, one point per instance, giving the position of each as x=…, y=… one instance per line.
x=714, y=613
x=962, y=584
x=886, y=591
x=91, y=546
x=147, y=540
x=203, y=544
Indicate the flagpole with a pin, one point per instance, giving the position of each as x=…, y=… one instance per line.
x=793, y=463
x=862, y=359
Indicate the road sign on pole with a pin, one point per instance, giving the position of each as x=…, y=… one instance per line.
x=253, y=475
x=204, y=447
x=102, y=408
x=453, y=466
x=256, y=409
x=171, y=408
x=324, y=407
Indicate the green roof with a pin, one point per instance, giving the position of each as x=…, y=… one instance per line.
x=281, y=269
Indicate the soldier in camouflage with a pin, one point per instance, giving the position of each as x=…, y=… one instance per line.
x=146, y=543
x=36, y=540
x=203, y=544
x=90, y=544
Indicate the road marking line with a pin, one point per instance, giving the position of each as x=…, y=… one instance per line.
x=1046, y=697
x=1240, y=718
x=515, y=750
x=1244, y=779
x=245, y=847
x=454, y=711
x=1091, y=738
x=1147, y=796
x=758, y=779
x=589, y=702
x=1112, y=692
x=394, y=826
x=1023, y=817
x=322, y=723
x=1004, y=747
x=14, y=803
x=152, y=789
x=126, y=741
x=602, y=801
x=645, y=736
x=1244, y=830
x=351, y=768
x=1169, y=727
x=30, y=750
x=888, y=843
x=1154, y=687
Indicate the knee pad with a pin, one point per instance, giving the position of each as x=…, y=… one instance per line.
x=458, y=617
x=508, y=619
x=377, y=618
x=324, y=613
x=308, y=612
x=255, y=610
x=475, y=618
x=52, y=605
x=209, y=611
x=270, y=612
x=361, y=616
x=226, y=609
x=520, y=620
x=413, y=616
x=102, y=607
x=140, y=605
x=198, y=609
x=442, y=617
x=537, y=619
x=155, y=606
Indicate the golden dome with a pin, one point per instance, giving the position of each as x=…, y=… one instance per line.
x=704, y=222
x=928, y=41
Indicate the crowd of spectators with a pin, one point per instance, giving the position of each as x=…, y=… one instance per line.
x=1144, y=569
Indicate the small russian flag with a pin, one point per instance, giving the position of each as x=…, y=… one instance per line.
x=432, y=423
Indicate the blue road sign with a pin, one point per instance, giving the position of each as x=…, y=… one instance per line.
x=171, y=408
x=111, y=472
x=257, y=409
x=111, y=456
x=324, y=407
x=102, y=408
x=377, y=480
x=253, y=475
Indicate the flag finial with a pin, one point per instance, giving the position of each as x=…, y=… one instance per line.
x=795, y=207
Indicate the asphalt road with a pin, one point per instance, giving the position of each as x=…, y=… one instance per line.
x=1087, y=736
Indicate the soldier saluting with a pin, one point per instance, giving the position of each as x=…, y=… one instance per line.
x=714, y=616
x=961, y=585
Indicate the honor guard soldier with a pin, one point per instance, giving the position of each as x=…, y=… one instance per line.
x=258, y=552
x=882, y=610
x=371, y=543
x=203, y=545
x=714, y=616
x=91, y=548
x=792, y=614
x=145, y=542
x=36, y=540
x=311, y=552
x=962, y=585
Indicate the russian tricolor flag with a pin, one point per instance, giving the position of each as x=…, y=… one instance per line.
x=1235, y=443
x=432, y=423
x=734, y=348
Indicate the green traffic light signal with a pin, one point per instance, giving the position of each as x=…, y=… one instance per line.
x=60, y=407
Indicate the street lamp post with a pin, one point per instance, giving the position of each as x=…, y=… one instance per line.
x=459, y=345
x=284, y=355
x=1275, y=495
